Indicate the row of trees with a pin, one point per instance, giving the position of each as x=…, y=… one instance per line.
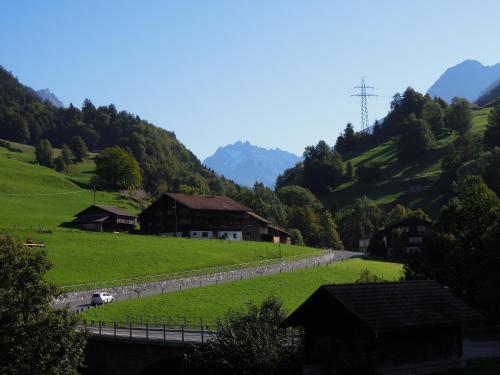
x=295, y=208
x=416, y=119
x=76, y=151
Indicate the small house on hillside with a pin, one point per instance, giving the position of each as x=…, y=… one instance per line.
x=408, y=234
x=105, y=218
x=386, y=328
x=197, y=216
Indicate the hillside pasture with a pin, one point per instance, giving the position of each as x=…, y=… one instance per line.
x=392, y=187
x=38, y=202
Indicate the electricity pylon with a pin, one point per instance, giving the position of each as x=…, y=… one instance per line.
x=363, y=94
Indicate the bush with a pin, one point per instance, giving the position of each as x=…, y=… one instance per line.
x=368, y=173
x=249, y=342
x=43, y=152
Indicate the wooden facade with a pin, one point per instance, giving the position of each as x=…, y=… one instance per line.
x=105, y=219
x=207, y=217
x=412, y=230
x=383, y=328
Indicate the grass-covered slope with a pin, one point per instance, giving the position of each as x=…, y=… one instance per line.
x=212, y=302
x=392, y=187
x=34, y=197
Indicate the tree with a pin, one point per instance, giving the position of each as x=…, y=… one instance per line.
x=34, y=337
x=347, y=141
x=459, y=115
x=492, y=134
x=117, y=169
x=463, y=249
x=249, y=342
x=79, y=148
x=349, y=171
x=43, y=153
x=296, y=237
x=368, y=173
x=306, y=213
x=433, y=115
x=360, y=221
x=323, y=168
x=67, y=155
x=416, y=140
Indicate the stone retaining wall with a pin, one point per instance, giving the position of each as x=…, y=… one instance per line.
x=149, y=288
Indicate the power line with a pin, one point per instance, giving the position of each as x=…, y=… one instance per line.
x=363, y=94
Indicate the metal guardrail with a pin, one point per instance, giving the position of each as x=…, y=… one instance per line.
x=147, y=332
x=159, y=333
x=188, y=273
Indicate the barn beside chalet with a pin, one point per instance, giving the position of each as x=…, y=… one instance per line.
x=394, y=328
x=197, y=216
x=104, y=218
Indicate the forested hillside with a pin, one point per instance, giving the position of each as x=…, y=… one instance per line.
x=166, y=164
x=411, y=162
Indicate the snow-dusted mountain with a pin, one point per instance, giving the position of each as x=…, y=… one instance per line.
x=246, y=164
x=469, y=80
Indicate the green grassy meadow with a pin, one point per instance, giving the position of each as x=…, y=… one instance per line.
x=211, y=302
x=34, y=197
x=391, y=188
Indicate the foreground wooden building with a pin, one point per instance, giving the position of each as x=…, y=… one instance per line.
x=105, y=219
x=385, y=328
x=198, y=216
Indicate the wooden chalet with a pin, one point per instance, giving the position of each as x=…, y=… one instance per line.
x=412, y=230
x=105, y=218
x=385, y=328
x=197, y=216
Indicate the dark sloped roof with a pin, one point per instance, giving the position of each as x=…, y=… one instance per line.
x=398, y=305
x=115, y=210
x=259, y=218
x=88, y=219
x=202, y=202
x=91, y=210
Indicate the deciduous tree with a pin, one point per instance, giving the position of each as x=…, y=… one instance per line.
x=34, y=338
x=117, y=169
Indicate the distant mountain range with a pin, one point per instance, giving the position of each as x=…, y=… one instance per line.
x=45, y=94
x=469, y=80
x=245, y=163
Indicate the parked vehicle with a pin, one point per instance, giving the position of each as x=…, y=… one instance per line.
x=101, y=298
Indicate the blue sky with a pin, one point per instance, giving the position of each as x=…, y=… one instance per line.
x=275, y=73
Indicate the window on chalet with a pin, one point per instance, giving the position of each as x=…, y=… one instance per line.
x=421, y=228
x=415, y=240
x=158, y=213
x=204, y=234
x=405, y=229
x=234, y=235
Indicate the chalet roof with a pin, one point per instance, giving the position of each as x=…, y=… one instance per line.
x=203, y=202
x=280, y=229
x=258, y=218
x=394, y=306
x=109, y=209
x=88, y=219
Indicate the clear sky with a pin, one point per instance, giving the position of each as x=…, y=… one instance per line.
x=275, y=73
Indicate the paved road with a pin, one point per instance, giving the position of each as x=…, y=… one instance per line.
x=188, y=283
